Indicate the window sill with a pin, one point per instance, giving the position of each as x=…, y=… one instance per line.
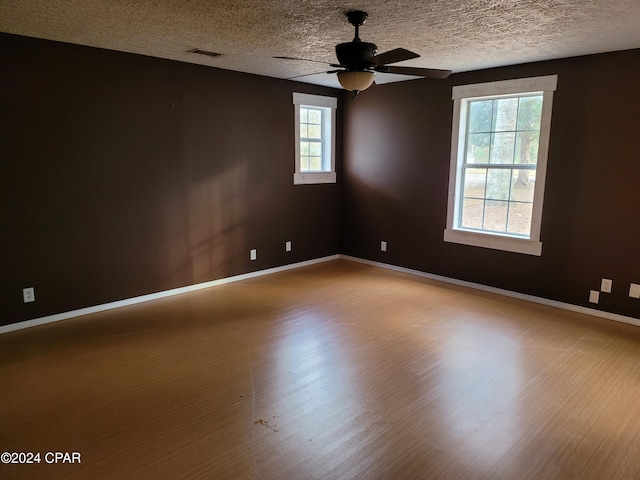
x=307, y=178
x=494, y=241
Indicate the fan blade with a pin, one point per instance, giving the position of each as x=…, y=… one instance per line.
x=308, y=60
x=308, y=75
x=314, y=73
x=393, y=56
x=418, y=72
x=384, y=78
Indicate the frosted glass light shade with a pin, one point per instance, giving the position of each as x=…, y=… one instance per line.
x=355, y=81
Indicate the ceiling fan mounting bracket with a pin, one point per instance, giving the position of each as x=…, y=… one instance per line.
x=357, y=17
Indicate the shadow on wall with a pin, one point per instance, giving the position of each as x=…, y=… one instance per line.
x=217, y=212
x=372, y=215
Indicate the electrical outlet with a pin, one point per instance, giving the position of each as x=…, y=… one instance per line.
x=383, y=246
x=634, y=290
x=253, y=254
x=287, y=246
x=605, y=285
x=594, y=296
x=29, y=294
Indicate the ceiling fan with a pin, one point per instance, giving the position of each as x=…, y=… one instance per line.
x=359, y=61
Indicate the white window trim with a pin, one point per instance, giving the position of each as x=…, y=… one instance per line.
x=460, y=95
x=304, y=178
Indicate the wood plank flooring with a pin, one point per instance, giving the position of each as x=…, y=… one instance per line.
x=334, y=371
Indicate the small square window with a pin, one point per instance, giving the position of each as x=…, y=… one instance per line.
x=315, y=139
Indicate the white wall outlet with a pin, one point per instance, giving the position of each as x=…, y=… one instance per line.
x=29, y=294
x=253, y=254
x=634, y=290
x=594, y=296
x=287, y=246
x=605, y=285
x=383, y=246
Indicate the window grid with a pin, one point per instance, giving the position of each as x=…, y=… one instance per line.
x=511, y=166
x=311, y=139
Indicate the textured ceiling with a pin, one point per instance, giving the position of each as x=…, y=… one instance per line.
x=458, y=35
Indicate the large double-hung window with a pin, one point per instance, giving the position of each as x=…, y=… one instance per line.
x=498, y=163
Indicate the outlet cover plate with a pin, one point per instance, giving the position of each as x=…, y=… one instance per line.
x=287, y=246
x=634, y=290
x=253, y=254
x=29, y=295
x=383, y=246
x=605, y=285
x=594, y=296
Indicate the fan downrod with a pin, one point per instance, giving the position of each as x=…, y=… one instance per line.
x=357, y=19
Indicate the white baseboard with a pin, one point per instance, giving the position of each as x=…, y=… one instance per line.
x=155, y=296
x=191, y=288
x=500, y=291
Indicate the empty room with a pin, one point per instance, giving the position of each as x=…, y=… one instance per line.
x=312, y=240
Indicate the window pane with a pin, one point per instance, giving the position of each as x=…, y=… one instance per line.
x=304, y=130
x=304, y=163
x=303, y=115
x=498, y=184
x=523, y=185
x=495, y=215
x=478, y=147
x=315, y=163
x=315, y=116
x=530, y=113
x=520, y=218
x=472, y=213
x=474, y=182
x=304, y=148
x=314, y=131
x=502, y=147
x=526, y=151
x=480, y=116
x=315, y=148
x=505, y=112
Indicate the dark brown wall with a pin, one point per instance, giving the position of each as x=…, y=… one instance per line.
x=397, y=147
x=124, y=175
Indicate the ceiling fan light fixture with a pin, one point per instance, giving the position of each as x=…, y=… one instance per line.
x=358, y=61
x=356, y=81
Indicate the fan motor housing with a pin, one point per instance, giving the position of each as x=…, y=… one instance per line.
x=356, y=55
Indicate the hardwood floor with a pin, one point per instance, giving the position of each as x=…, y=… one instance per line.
x=334, y=371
